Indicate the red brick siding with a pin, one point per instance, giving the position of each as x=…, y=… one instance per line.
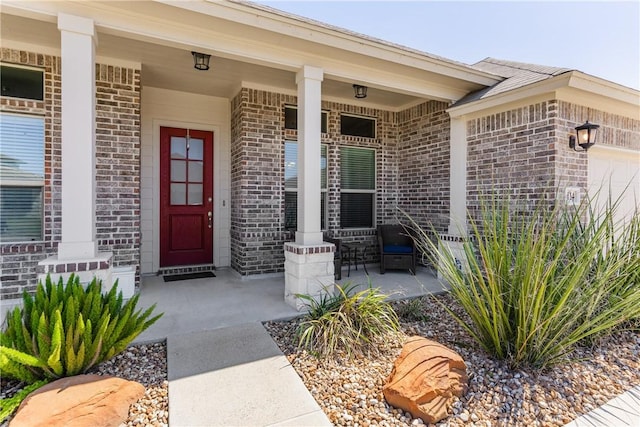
x=423, y=164
x=117, y=168
x=514, y=153
x=257, y=173
x=118, y=163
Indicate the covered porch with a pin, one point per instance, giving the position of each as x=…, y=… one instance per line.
x=230, y=300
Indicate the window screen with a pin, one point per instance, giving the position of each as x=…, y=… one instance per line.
x=357, y=187
x=21, y=177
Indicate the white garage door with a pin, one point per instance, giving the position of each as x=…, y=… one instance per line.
x=613, y=172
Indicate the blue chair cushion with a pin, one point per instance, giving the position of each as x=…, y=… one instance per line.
x=397, y=249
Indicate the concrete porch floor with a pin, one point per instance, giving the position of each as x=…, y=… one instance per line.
x=229, y=299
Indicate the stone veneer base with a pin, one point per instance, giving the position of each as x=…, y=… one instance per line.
x=308, y=270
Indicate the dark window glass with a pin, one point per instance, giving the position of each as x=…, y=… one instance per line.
x=357, y=126
x=22, y=83
x=291, y=119
x=356, y=210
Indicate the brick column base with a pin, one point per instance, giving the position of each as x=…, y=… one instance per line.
x=99, y=267
x=308, y=270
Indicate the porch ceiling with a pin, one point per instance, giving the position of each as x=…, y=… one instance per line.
x=160, y=37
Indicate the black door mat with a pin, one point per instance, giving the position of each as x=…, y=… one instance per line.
x=188, y=276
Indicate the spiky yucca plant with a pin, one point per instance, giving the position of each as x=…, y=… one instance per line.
x=535, y=286
x=65, y=329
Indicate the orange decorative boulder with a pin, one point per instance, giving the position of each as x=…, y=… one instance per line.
x=82, y=400
x=424, y=379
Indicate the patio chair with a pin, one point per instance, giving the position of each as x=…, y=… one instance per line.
x=337, y=256
x=397, y=248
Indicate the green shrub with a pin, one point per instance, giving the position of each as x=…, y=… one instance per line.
x=64, y=330
x=354, y=322
x=538, y=284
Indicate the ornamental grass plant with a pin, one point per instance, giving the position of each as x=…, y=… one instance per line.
x=538, y=283
x=350, y=321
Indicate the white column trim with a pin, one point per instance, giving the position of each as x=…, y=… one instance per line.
x=78, y=42
x=458, y=177
x=309, y=81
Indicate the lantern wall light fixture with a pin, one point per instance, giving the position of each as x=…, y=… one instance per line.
x=585, y=136
x=201, y=61
x=360, y=91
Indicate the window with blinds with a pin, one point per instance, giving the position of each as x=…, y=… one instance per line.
x=21, y=177
x=357, y=187
x=291, y=185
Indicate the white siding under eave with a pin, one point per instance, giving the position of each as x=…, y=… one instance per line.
x=162, y=107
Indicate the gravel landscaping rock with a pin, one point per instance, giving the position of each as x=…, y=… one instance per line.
x=146, y=364
x=350, y=390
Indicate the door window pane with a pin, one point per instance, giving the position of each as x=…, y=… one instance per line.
x=178, y=194
x=195, y=194
x=195, y=171
x=178, y=170
x=178, y=147
x=195, y=149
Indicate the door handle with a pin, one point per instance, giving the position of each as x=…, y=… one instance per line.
x=210, y=215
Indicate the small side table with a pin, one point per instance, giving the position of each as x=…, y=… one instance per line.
x=353, y=252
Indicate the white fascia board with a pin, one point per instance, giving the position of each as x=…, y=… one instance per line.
x=574, y=87
x=529, y=91
x=604, y=88
x=289, y=26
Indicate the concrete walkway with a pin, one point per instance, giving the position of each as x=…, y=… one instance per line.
x=225, y=370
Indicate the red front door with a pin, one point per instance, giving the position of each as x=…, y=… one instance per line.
x=186, y=197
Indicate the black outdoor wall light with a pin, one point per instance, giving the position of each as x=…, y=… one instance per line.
x=585, y=136
x=201, y=61
x=360, y=91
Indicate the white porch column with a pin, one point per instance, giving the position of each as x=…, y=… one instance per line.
x=453, y=241
x=308, y=265
x=78, y=39
x=458, y=178
x=309, y=81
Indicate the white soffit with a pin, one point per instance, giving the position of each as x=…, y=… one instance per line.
x=238, y=33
